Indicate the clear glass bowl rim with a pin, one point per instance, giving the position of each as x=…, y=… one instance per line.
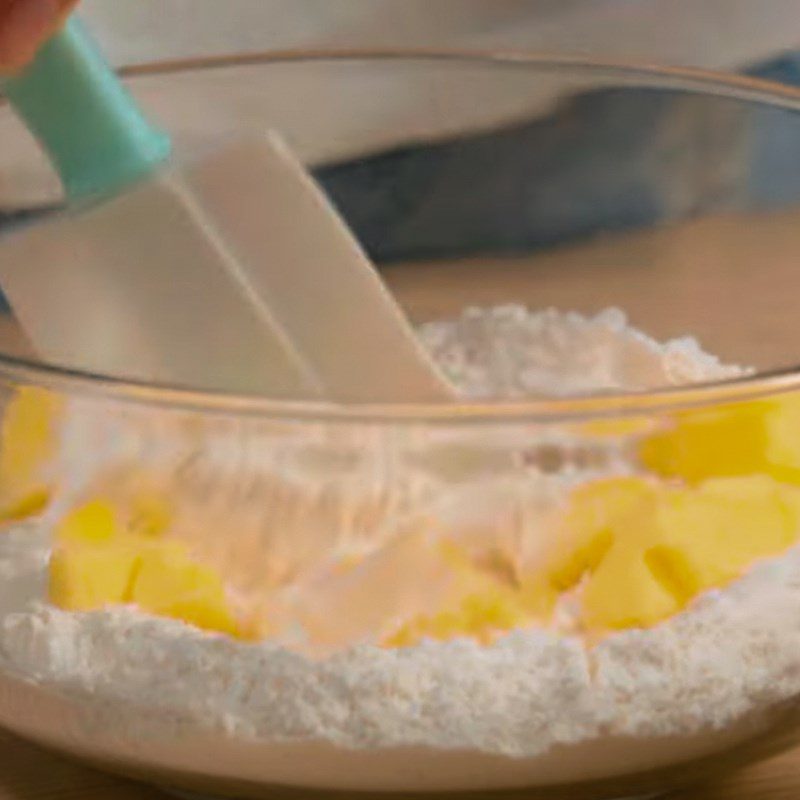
x=17, y=371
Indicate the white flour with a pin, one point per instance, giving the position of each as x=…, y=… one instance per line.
x=509, y=352
x=533, y=707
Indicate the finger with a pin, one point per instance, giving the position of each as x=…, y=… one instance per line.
x=25, y=25
x=65, y=8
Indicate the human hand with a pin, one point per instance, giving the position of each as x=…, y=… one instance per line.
x=25, y=25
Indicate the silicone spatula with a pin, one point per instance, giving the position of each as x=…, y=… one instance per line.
x=129, y=282
x=230, y=273
x=304, y=264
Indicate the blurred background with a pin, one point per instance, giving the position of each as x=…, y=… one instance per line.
x=729, y=34
x=621, y=139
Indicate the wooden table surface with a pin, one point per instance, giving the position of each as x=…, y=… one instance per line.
x=697, y=261
x=28, y=773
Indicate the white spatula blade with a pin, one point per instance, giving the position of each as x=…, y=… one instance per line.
x=142, y=287
x=308, y=270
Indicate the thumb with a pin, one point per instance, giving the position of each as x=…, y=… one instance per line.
x=25, y=25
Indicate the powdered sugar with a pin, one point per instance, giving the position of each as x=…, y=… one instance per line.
x=711, y=671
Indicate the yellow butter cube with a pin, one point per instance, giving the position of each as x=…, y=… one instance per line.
x=674, y=572
x=657, y=556
x=782, y=431
x=481, y=616
x=590, y=525
x=90, y=578
x=28, y=439
x=26, y=505
x=169, y=583
x=623, y=593
x=599, y=545
x=726, y=525
x=93, y=523
x=756, y=437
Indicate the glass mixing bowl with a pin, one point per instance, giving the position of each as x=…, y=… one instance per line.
x=639, y=528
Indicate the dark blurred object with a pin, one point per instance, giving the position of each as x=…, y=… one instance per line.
x=605, y=161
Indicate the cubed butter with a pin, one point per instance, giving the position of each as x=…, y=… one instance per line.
x=28, y=438
x=639, y=563
x=90, y=578
x=756, y=437
x=93, y=523
x=726, y=525
x=623, y=593
x=169, y=583
x=481, y=616
x=590, y=525
x=27, y=504
x=106, y=555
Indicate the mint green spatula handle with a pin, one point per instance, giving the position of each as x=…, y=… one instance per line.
x=88, y=123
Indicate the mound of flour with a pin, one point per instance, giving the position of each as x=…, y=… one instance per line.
x=731, y=653
x=528, y=696
x=510, y=352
